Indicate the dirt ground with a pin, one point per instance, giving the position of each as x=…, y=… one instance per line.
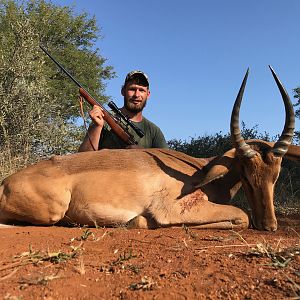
x=172, y=263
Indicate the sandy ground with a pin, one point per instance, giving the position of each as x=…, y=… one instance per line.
x=173, y=263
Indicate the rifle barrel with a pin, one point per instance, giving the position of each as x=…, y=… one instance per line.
x=122, y=133
x=61, y=67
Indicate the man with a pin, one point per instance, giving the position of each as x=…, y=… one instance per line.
x=136, y=93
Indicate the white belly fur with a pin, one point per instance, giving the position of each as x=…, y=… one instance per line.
x=101, y=214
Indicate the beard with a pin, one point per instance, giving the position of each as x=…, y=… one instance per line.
x=134, y=108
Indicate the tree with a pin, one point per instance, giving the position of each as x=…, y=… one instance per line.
x=297, y=96
x=38, y=104
x=297, y=112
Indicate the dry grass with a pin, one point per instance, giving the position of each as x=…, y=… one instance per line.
x=36, y=257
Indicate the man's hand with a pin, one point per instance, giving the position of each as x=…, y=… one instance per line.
x=96, y=114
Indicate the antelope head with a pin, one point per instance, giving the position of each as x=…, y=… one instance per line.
x=260, y=164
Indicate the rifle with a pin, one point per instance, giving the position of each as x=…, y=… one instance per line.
x=117, y=126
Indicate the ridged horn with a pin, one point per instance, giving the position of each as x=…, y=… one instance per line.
x=281, y=146
x=238, y=141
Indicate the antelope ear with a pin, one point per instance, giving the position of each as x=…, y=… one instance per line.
x=217, y=168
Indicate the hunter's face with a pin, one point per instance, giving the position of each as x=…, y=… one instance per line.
x=135, y=96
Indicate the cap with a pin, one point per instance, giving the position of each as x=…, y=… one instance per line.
x=140, y=76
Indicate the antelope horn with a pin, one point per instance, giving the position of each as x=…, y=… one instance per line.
x=281, y=146
x=237, y=139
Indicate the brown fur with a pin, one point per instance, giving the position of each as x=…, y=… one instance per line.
x=145, y=188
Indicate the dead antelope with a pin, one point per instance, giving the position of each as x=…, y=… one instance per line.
x=150, y=188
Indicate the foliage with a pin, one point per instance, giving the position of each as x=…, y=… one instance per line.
x=212, y=145
x=288, y=186
x=38, y=104
x=297, y=96
x=297, y=112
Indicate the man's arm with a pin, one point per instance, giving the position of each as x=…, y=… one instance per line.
x=91, y=139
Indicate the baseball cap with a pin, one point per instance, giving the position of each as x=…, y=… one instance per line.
x=140, y=76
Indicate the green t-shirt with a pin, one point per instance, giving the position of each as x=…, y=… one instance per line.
x=153, y=137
